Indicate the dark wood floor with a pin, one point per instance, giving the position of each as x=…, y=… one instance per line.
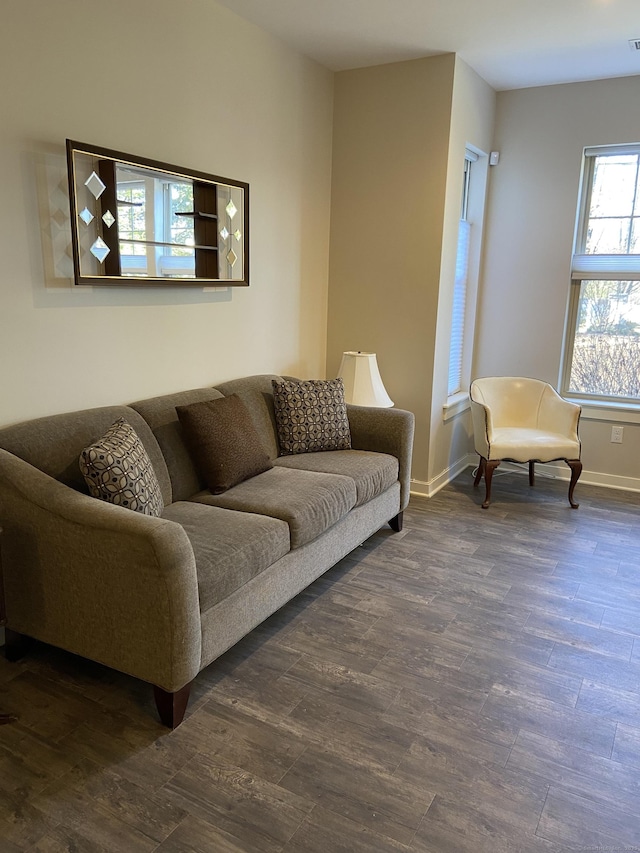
x=471, y=684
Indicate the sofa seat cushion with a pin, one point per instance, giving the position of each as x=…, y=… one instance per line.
x=230, y=548
x=372, y=473
x=309, y=501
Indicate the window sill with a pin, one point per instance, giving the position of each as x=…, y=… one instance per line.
x=455, y=405
x=604, y=410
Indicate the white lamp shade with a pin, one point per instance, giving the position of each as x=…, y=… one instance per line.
x=362, y=382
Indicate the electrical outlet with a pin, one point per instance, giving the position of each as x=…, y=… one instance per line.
x=616, y=434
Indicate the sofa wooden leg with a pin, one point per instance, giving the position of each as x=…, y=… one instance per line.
x=532, y=473
x=171, y=706
x=16, y=645
x=396, y=522
x=576, y=470
x=490, y=466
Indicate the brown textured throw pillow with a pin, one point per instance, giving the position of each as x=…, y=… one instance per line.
x=311, y=416
x=224, y=443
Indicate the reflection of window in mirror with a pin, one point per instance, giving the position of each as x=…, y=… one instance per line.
x=132, y=230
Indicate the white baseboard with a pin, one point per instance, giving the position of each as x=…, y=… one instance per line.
x=556, y=470
x=593, y=478
x=429, y=489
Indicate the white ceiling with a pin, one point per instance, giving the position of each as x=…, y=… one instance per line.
x=510, y=43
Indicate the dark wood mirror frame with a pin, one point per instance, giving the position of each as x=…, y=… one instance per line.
x=126, y=230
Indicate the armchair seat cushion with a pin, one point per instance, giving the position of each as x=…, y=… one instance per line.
x=522, y=444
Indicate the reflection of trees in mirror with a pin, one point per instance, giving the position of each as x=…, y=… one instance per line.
x=181, y=229
x=606, y=354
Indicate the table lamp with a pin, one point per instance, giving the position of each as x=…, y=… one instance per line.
x=363, y=385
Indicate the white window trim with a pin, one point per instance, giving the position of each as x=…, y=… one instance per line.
x=458, y=402
x=605, y=410
x=455, y=405
x=590, y=268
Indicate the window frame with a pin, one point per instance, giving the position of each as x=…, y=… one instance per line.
x=595, y=267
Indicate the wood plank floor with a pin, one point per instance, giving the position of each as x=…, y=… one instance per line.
x=470, y=684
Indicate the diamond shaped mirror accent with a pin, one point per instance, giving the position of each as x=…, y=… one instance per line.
x=86, y=216
x=95, y=185
x=99, y=250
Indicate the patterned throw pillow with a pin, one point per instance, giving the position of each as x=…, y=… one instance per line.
x=117, y=469
x=311, y=416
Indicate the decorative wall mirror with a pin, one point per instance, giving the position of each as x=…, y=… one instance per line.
x=141, y=222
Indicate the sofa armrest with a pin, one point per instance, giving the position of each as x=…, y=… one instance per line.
x=385, y=431
x=98, y=580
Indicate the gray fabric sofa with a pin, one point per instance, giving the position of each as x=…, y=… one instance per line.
x=161, y=598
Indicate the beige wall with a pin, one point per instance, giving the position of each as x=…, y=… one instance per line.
x=472, y=120
x=400, y=133
x=187, y=83
x=541, y=133
x=391, y=142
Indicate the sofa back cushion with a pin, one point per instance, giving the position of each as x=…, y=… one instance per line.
x=256, y=392
x=161, y=416
x=53, y=444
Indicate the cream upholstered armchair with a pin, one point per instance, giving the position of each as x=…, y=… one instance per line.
x=523, y=420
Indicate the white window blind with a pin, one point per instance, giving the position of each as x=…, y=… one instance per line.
x=456, y=347
x=607, y=245
x=459, y=303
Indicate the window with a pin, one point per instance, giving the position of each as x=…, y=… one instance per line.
x=456, y=348
x=602, y=359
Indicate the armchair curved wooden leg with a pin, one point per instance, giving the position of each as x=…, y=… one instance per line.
x=490, y=467
x=171, y=706
x=481, y=466
x=576, y=470
x=532, y=472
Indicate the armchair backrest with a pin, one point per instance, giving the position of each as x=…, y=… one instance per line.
x=513, y=400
